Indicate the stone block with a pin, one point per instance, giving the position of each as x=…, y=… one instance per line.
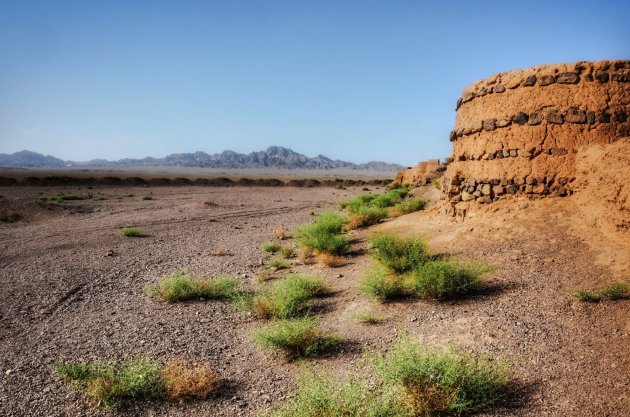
x=568, y=78
x=520, y=118
x=546, y=80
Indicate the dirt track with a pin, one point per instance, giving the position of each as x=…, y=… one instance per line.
x=64, y=298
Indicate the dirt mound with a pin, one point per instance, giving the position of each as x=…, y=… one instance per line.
x=519, y=132
x=602, y=173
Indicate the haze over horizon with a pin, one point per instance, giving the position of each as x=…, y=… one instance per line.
x=357, y=81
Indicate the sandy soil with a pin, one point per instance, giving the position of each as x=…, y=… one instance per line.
x=64, y=298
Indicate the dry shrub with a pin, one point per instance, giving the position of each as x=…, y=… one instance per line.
x=264, y=275
x=394, y=212
x=331, y=260
x=185, y=379
x=306, y=255
x=428, y=399
x=281, y=233
x=219, y=250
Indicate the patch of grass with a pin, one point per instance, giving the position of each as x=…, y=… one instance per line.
x=130, y=232
x=367, y=317
x=219, y=250
x=377, y=283
x=278, y=264
x=436, y=184
x=99, y=198
x=299, y=337
x=287, y=297
x=442, y=381
x=448, y=278
x=271, y=247
x=614, y=291
x=306, y=255
x=286, y=252
x=365, y=216
x=399, y=254
x=184, y=379
x=148, y=197
x=409, y=205
x=108, y=384
x=281, y=233
x=330, y=260
x=181, y=287
x=321, y=396
x=325, y=234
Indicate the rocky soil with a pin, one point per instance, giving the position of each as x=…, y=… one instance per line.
x=73, y=289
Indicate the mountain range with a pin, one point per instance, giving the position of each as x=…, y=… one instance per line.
x=272, y=157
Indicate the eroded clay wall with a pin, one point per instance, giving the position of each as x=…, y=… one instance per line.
x=519, y=131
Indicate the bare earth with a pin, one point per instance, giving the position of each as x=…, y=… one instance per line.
x=64, y=298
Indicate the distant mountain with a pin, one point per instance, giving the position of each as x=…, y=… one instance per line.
x=273, y=157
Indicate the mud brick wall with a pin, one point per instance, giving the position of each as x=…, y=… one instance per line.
x=518, y=132
x=419, y=174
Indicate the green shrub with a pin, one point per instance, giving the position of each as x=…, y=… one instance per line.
x=366, y=317
x=147, y=197
x=438, y=279
x=99, y=198
x=436, y=184
x=296, y=337
x=108, y=384
x=615, y=291
x=320, y=396
x=287, y=297
x=278, y=263
x=399, y=254
x=286, y=252
x=130, y=232
x=442, y=381
x=181, y=287
x=271, y=247
x=411, y=205
x=324, y=235
x=366, y=216
x=380, y=285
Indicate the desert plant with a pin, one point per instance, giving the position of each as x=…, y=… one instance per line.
x=271, y=247
x=614, y=291
x=409, y=205
x=108, y=384
x=99, y=198
x=366, y=216
x=181, y=287
x=325, y=234
x=377, y=283
x=278, y=263
x=399, y=254
x=436, y=184
x=331, y=260
x=321, y=396
x=367, y=317
x=286, y=252
x=296, y=337
x=184, y=379
x=147, y=197
x=306, y=255
x=446, y=278
x=442, y=381
x=287, y=297
x=130, y=232
x=281, y=233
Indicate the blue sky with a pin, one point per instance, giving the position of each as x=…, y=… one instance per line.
x=354, y=80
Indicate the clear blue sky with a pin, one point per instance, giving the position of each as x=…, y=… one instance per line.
x=354, y=80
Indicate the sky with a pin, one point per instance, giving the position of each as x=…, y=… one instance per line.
x=352, y=80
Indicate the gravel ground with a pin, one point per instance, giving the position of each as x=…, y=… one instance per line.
x=73, y=289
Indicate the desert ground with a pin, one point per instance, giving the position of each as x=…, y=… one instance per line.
x=74, y=289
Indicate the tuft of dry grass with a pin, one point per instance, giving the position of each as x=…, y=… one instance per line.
x=219, y=250
x=281, y=233
x=306, y=255
x=278, y=263
x=331, y=260
x=264, y=275
x=184, y=379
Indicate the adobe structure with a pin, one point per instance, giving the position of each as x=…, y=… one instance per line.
x=420, y=174
x=518, y=132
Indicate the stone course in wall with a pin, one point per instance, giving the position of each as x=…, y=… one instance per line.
x=518, y=132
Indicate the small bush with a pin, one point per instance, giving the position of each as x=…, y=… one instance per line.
x=147, y=197
x=615, y=291
x=286, y=252
x=296, y=337
x=278, y=263
x=130, y=232
x=219, y=250
x=367, y=317
x=410, y=205
x=281, y=233
x=320, y=396
x=436, y=184
x=306, y=255
x=271, y=247
x=99, y=198
x=330, y=260
x=287, y=297
x=442, y=381
x=184, y=379
x=439, y=279
x=366, y=216
x=399, y=254
x=382, y=286
x=181, y=287
x=324, y=235
x=108, y=384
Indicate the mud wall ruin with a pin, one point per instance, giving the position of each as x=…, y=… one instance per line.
x=518, y=132
x=420, y=174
